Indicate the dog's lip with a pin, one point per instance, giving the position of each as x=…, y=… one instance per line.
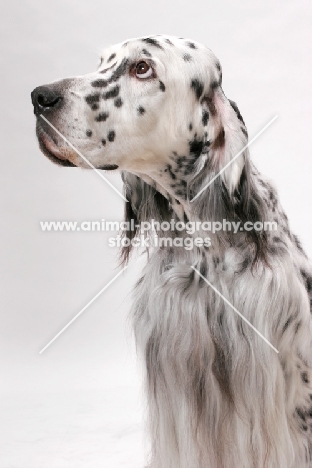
x=50, y=149
x=109, y=167
x=49, y=144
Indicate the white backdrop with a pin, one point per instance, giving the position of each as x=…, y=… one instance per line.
x=78, y=404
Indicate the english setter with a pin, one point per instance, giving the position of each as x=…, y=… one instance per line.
x=218, y=394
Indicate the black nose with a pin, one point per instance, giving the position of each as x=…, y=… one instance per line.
x=45, y=98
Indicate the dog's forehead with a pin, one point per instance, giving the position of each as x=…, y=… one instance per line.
x=176, y=58
x=154, y=46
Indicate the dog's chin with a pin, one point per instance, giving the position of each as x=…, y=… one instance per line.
x=51, y=150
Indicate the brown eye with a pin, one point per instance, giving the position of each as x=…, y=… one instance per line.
x=143, y=70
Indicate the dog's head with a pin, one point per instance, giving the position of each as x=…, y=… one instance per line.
x=149, y=99
x=154, y=109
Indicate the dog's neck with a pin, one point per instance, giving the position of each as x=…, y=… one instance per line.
x=172, y=176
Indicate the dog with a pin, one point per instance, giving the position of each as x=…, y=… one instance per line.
x=219, y=394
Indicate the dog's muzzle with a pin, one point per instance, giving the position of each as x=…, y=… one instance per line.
x=47, y=101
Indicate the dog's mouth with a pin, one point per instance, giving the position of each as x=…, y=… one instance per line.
x=50, y=149
x=109, y=167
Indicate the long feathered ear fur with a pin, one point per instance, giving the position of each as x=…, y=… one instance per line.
x=233, y=195
x=144, y=204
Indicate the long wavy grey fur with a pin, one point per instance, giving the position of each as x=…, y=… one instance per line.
x=217, y=394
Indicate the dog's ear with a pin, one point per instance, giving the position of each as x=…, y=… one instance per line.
x=227, y=135
x=144, y=204
x=228, y=176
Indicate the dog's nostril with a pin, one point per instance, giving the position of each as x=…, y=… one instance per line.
x=46, y=98
x=45, y=101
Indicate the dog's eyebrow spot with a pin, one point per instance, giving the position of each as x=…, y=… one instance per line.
x=118, y=102
x=141, y=110
x=111, y=135
x=146, y=52
x=120, y=70
x=191, y=45
x=153, y=42
x=89, y=133
x=112, y=93
x=198, y=87
x=111, y=57
x=108, y=68
x=102, y=117
x=162, y=86
x=99, y=83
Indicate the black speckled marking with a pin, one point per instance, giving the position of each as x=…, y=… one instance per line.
x=101, y=117
x=146, y=52
x=211, y=106
x=111, y=135
x=99, y=83
x=168, y=41
x=118, y=102
x=205, y=117
x=301, y=414
x=89, y=133
x=103, y=141
x=287, y=323
x=141, y=110
x=162, y=86
x=298, y=243
x=170, y=172
x=111, y=57
x=187, y=57
x=196, y=146
x=95, y=106
x=307, y=280
x=237, y=112
x=190, y=127
x=153, y=42
x=198, y=87
x=244, y=131
x=191, y=45
x=92, y=98
x=112, y=93
x=214, y=85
